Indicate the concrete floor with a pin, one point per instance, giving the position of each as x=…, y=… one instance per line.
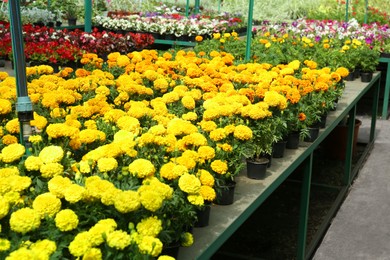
x=361, y=228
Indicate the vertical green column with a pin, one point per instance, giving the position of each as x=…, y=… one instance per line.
x=187, y=8
x=349, y=148
x=88, y=16
x=366, y=12
x=346, y=10
x=374, y=110
x=304, y=208
x=197, y=6
x=23, y=102
x=249, y=31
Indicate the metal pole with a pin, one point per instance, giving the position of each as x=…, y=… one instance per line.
x=249, y=31
x=346, y=11
x=365, y=12
x=197, y=6
x=187, y=8
x=23, y=103
x=88, y=16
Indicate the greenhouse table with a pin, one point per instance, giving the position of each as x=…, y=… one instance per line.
x=250, y=194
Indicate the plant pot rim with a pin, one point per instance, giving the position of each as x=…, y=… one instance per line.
x=261, y=160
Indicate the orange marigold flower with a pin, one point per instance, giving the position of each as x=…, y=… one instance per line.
x=198, y=38
x=301, y=116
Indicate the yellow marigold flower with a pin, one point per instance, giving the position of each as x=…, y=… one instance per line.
x=85, y=167
x=165, y=257
x=3, y=75
x=150, y=226
x=45, y=246
x=208, y=126
x=58, y=112
x=50, y=170
x=206, y=178
x=167, y=172
x=66, y=220
x=286, y=71
x=39, y=122
x=4, y=207
x=58, y=184
x=24, y=220
x=141, y=168
x=12, y=152
x=161, y=84
x=74, y=193
x=189, y=183
x=127, y=201
x=219, y=166
x=118, y=239
x=51, y=154
x=152, y=200
x=342, y=71
x=80, y=244
x=129, y=123
x=242, y=132
x=216, y=36
x=5, y=106
x=206, y=152
x=150, y=246
x=9, y=139
x=33, y=163
x=5, y=244
x=109, y=195
x=16, y=183
x=218, y=134
x=90, y=124
x=275, y=99
x=107, y=164
x=295, y=64
x=21, y=253
x=9, y=171
x=34, y=139
x=208, y=193
x=195, y=199
x=153, y=183
x=13, y=126
x=188, y=102
x=187, y=239
x=88, y=136
x=123, y=61
x=93, y=254
x=46, y=204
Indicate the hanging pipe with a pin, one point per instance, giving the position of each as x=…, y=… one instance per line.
x=23, y=102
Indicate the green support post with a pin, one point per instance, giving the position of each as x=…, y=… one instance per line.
x=349, y=150
x=366, y=12
x=304, y=208
x=23, y=102
x=249, y=31
x=197, y=6
x=187, y=8
x=346, y=10
x=88, y=16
